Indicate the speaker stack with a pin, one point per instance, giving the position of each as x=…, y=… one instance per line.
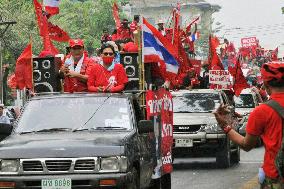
x=46, y=74
x=131, y=66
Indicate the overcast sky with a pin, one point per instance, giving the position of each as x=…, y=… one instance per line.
x=248, y=18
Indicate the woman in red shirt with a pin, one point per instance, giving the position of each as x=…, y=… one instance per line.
x=106, y=77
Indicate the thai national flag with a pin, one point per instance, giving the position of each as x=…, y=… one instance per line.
x=156, y=48
x=51, y=6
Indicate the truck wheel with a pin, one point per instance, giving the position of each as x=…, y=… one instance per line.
x=162, y=183
x=236, y=155
x=135, y=182
x=166, y=182
x=223, y=156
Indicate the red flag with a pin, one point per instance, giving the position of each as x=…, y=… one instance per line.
x=214, y=60
x=23, y=69
x=188, y=28
x=57, y=34
x=116, y=15
x=43, y=29
x=12, y=82
x=41, y=19
x=51, y=6
x=240, y=81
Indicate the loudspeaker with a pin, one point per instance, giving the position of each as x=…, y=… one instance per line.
x=130, y=64
x=46, y=74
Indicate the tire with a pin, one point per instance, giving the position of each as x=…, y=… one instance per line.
x=162, y=183
x=166, y=181
x=235, y=157
x=223, y=156
x=135, y=182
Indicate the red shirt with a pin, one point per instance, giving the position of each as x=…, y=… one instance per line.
x=124, y=33
x=101, y=77
x=75, y=84
x=130, y=47
x=265, y=122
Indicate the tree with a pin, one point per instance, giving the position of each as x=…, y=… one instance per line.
x=81, y=19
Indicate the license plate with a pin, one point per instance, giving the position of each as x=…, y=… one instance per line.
x=64, y=183
x=184, y=142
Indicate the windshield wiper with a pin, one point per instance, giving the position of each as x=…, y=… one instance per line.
x=110, y=128
x=47, y=130
x=81, y=127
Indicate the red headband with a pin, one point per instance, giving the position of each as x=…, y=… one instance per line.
x=272, y=70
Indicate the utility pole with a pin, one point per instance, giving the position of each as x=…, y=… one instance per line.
x=6, y=26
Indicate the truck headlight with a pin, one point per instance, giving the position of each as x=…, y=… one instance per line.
x=212, y=128
x=109, y=164
x=9, y=166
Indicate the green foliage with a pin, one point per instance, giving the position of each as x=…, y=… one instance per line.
x=81, y=19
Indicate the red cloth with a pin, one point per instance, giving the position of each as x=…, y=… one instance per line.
x=265, y=122
x=130, y=47
x=23, y=70
x=114, y=37
x=115, y=14
x=214, y=60
x=75, y=85
x=240, y=81
x=101, y=77
x=272, y=70
x=57, y=34
x=12, y=82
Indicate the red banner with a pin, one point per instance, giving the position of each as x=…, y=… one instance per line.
x=249, y=42
x=160, y=109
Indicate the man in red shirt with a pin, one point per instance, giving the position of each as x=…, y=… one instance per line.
x=263, y=122
x=76, y=67
x=124, y=31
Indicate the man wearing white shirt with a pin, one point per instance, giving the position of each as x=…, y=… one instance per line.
x=3, y=118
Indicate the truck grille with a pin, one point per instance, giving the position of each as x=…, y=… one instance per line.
x=186, y=128
x=32, y=166
x=58, y=165
x=85, y=164
x=54, y=165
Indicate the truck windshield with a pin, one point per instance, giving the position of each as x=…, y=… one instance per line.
x=196, y=102
x=73, y=113
x=244, y=101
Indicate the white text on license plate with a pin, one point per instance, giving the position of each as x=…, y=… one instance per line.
x=64, y=183
x=184, y=142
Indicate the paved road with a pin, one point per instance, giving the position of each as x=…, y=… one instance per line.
x=202, y=173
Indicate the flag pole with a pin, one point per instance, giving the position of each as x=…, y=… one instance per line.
x=31, y=41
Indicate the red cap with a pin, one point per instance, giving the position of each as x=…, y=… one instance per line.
x=76, y=42
x=272, y=70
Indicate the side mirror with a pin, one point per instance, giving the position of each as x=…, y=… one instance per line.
x=5, y=130
x=145, y=126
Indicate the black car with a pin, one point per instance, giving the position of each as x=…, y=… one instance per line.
x=80, y=141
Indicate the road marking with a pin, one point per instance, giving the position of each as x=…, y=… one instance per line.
x=252, y=162
x=251, y=184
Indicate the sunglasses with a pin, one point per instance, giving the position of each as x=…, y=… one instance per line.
x=108, y=54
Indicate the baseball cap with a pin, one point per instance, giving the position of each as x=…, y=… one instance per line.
x=76, y=42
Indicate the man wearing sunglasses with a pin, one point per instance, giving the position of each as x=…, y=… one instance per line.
x=76, y=68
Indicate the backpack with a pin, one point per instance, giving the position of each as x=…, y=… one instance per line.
x=279, y=159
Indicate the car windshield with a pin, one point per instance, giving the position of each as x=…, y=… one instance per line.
x=196, y=102
x=75, y=113
x=244, y=101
